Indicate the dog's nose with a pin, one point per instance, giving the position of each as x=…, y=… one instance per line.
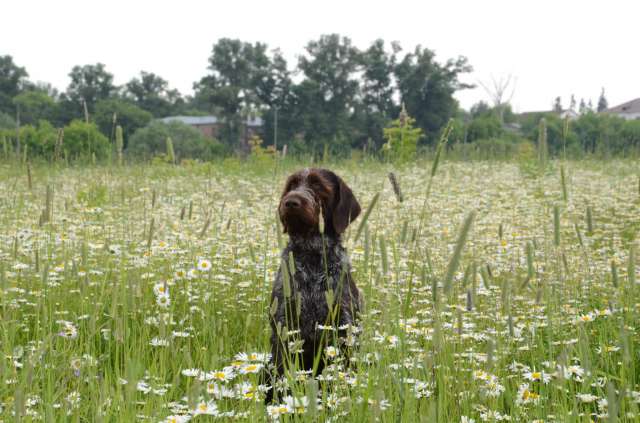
x=292, y=203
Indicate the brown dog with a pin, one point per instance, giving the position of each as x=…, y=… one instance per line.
x=315, y=209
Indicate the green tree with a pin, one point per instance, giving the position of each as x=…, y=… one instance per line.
x=12, y=80
x=187, y=142
x=229, y=91
x=329, y=90
x=377, y=89
x=6, y=121
x=82, y=140
x=35, y=105
x=90, y=83
x=129, y=116
x=603, y=104
x=557, y=105
x=485, y=126
x=151, y=93
x=427, y=88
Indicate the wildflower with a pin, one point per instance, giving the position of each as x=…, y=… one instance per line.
x=299, y=405
x=526, y=396
x=204, y=265
x=331, y=352
x=586, y=318
x=161, y=288
x=178, y=418
x=163, y=300
x=537, y=376
x=275, y=411
x=223, y=375
x=69, y=331
x=159, y=342
x=191, y=372
x=586, y=398
x=250, y=368
x=208, y=408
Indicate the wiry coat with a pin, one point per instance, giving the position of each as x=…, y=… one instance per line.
x=314, y=296
x=312, y=279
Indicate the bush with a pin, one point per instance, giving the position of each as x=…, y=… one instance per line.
x=129, y=116
x=82, y=140
x=484, y=127
x=6, y=121
x=39, y=141
x=495, y=148
x=188, y=142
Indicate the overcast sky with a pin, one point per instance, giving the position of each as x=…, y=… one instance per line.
x=553, y=48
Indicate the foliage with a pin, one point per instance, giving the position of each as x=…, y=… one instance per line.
x=109, y=307
x=6, y=121
x=426, y=88
x=151, y=93
x=129, y=116
x=84, y=140
x=35, y=105
x=12, y=80
x=484, y=127
x=187, y=142
x=90, y=84
x=402, y=139
x=260, y=155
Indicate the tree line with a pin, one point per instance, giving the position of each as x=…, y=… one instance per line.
x=335, y=98
x=336, y=95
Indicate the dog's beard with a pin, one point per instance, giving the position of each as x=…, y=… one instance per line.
x=302, y=222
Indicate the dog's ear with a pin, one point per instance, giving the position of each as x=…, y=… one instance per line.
x=345, y=207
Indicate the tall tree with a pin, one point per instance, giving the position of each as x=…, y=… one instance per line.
x=377, y=90
x=151, y=93
x=572, y=103
x=273, y=85
x=35, y=105
x=603, y=104
x=583, y=107
x=12, y=81
x=229, y=91
x=557, y=105
x=330, y=89
x=90, y=83
x=427, y=88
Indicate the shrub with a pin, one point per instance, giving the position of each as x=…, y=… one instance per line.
x=129, y=116
x=6, y=121
x=484, y=127
x=495, y=148
x=187, y=142
x=402, y=139
x=82, y=140
x=39, y=141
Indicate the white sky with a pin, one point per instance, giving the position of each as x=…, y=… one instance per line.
x=552, y=47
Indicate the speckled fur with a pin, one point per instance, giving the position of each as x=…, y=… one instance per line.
x=320, y=265
x=311, y=281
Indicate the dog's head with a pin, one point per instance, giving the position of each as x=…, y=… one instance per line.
x=309, y=191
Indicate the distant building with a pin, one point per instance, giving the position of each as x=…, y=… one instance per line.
x=565, y=114
x=210, y=125
x=629, y=110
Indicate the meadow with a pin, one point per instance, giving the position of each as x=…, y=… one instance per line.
x=142, y=293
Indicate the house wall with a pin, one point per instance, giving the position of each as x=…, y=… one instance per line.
x=629, y=116
x=209, y=130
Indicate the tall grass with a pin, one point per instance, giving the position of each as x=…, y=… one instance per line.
x=129, y=292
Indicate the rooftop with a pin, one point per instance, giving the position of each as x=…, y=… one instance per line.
x=632, y=106
x=206, y=120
